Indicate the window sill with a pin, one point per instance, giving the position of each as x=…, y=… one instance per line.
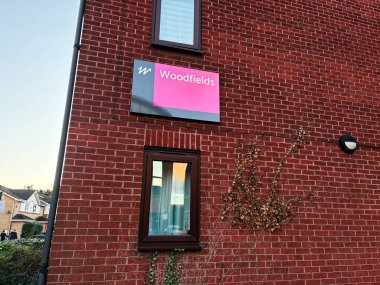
x=177, y=48
x=171, y=246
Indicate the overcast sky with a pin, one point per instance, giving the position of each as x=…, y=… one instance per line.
x=36, y=39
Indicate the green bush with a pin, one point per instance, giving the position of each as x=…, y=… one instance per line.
x=38, y=229
x=19, y=262
x=31, y=229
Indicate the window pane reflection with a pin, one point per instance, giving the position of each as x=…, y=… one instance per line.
x=170, y=198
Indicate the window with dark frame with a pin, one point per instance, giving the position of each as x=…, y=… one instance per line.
x=169, y=216
x=177, y=24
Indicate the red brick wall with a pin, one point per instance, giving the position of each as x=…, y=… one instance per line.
x=280, y=63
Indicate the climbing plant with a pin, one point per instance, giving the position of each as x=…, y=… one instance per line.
x=150, y=276
x=172, y=269
x=245, y=206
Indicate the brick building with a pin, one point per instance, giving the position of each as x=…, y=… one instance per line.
x=275, y=65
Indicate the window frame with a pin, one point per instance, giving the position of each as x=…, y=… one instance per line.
x=196, y=47
x=161, y=242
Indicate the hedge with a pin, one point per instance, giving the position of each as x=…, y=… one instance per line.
x=20, y=261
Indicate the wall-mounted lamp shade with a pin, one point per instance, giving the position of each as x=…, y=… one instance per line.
x=347, y=143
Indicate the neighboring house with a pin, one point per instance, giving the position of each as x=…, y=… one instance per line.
x=19, y=206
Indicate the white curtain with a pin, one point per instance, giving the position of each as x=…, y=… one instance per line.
x=165, y=198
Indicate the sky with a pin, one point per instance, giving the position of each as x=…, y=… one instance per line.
x=36, y=47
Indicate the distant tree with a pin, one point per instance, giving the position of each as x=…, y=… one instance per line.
x=46, y=192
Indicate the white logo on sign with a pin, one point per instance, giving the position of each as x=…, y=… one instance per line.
x=144, y=70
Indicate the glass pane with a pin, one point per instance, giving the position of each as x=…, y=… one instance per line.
x=157, y=168
x=157, y=173
x=177, y=21
x=170, y=201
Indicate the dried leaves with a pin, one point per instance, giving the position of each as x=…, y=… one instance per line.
x=245, y=206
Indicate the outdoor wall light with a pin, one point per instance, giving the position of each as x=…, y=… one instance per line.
x=347, y=143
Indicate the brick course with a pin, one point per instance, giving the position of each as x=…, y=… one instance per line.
x=280, y=63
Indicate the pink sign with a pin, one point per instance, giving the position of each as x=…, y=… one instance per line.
x=186, y=89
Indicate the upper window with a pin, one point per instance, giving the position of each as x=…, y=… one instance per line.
x=177, y=24
x=170, y=200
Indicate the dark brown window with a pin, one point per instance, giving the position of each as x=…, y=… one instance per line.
x=169, y=217
x=177, y=24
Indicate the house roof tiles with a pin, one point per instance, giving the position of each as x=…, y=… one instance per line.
x=20, y=194
x=24, y=194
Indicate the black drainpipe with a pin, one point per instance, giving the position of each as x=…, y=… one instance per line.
x=61, y=153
